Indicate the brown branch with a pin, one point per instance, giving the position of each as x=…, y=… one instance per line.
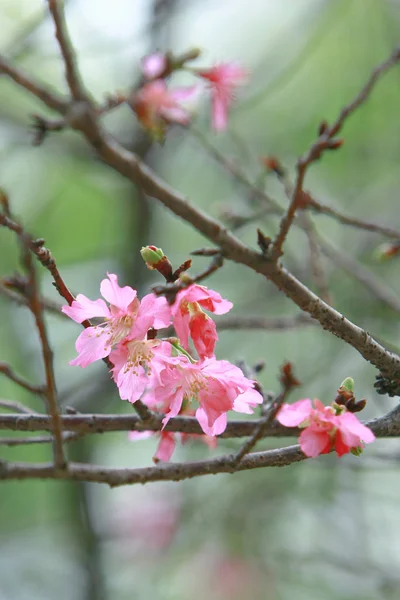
x=40, y=91
x=34, y=302
x=370, y=281
x=326, y=141
x=36, y=246
x=72, y=75
x=128, y=165
x=262, y=426
x=37, y=439
x=385, y=426
x=317, y=269
x=165, y=472
x=98, y=423
x=16, y=407
x=18, y=298
x=269, y=323
x=6, y=370
x=323, y=209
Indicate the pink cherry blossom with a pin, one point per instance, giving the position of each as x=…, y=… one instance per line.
x=189, y=318
x=154, y=65
x=223, y=79
x=217, y=385
x=125, y=318
x=169, y=439
x=326, y=428
x=204, y=334
x=137, y=367
x=155, y=105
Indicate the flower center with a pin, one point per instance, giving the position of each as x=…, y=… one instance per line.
x=120, y=328
x=195, y=382
x=140, y=355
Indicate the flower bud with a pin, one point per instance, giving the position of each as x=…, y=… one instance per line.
x=152, y=256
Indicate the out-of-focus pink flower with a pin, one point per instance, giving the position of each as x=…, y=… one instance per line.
x=217, y=385
x=125, y=318
x=137, y=366
x=326, y=428
x=154, y=65
x=223, y=79
x=190, y=319
x=155, y=105
x=169, y=439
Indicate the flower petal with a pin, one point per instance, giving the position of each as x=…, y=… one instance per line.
x=313, y=443
x=83, y=308
x=216, y=428
x=121, y=297
x=92, y=344
x=166, y=447
x=292, y=415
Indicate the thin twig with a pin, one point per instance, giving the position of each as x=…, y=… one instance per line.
x=72, y=75
x=47, y=353
x=317, y=269
x=262, y=426
x=18, y=407
x=36, y=246
x=325, y=141
x=6, y=370
x=323, y=209
x=371, y=282
x=37, y=439
x=260, y=323
x=34, y=302
x=39, y=90
x=19, y=299
x=289, y=382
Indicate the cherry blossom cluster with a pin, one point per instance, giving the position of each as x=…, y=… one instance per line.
x=161, y=371
x=157, y=104
x=171, y=379
x=325, y=428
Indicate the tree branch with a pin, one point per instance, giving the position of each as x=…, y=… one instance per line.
x=50, y=98
x=326, y=141
x=72, y=75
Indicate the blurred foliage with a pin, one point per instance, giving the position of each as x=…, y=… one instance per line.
x=322, y=530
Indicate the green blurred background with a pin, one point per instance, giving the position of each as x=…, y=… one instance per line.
x=327, y=529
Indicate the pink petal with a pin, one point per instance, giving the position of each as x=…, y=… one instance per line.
x=204, y=334
x=158, y=308
x=136, y=436
x=217, y=427
x=166, y=447
x=341, y=447
x=154, y=65
x=174, y=407
x=83, y=308
x=292, y=415
x=208, y=299
x=245, y=401
x=353, y=430
x=219, y=113
x=131, y=383
x=175, y=114
x=313, y=443
x=91, y=345
x=183, y=94
x=181, y=324
x=121, y=297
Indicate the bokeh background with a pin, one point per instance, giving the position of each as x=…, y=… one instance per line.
x=326, y=529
